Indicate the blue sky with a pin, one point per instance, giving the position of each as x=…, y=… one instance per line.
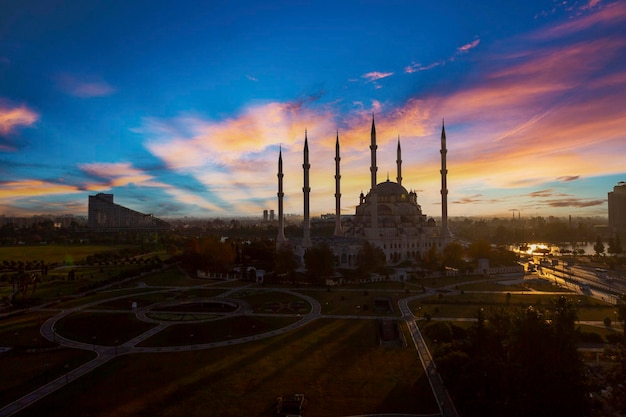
x=180, y=109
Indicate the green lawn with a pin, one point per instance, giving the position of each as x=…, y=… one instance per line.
x=362, y=302
x=33, y=359
x=172, y=277
x=67, y=254
x=101, y=328
x=217, y=330
x=337, y=364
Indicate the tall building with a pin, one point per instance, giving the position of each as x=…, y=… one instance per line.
x=617, y=208
x=104, y=214
x=388, y=216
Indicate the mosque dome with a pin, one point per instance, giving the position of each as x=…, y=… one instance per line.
x=388, y=189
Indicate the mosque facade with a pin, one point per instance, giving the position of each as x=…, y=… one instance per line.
x=388, y=216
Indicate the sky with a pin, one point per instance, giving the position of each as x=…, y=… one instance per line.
x=181, y=108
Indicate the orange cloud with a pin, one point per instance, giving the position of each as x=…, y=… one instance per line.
x=12, y=117
x=29, y=188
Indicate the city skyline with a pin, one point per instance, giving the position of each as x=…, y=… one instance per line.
x=181, y=111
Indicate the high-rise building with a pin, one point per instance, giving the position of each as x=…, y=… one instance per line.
x=104, y=214
x=617, y=208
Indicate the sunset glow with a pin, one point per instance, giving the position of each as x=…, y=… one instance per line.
x=180, y=110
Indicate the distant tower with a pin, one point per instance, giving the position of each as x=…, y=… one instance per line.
x=617, y=208
x=445, y=232
x=265, y=216
x=280, y=238
x=399, y=163
x=373, y=170
x=338, y=228
x=306, y=224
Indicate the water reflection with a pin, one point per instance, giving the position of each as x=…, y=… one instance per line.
x=581, y=248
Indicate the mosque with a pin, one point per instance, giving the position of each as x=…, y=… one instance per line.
x=388, y=216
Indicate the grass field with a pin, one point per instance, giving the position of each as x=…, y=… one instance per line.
x=357, y=302
x=336, y=363
x=102, y=328
x=67, y=254
x=466, y=305
x=33, y=360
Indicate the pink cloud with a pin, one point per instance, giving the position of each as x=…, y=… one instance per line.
x=13, y=117
x=84, y=88
x=373, y=76
x=609, y=15
x=469, y=46
x=117, y=174
x=410, y=69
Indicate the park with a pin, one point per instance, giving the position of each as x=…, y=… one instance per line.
x=159, y=341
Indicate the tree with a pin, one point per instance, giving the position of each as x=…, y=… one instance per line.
x=453, y=255
x=432, y=260
x=370, y=258
x=518, y=363
x=209, y=253
x=285, y=261
x=616, y=375
x=480, y=249
x=598, y=247
x=319, y=262
x=615, y=246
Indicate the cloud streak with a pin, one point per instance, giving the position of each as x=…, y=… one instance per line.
x=84, y=88
x=12, y=117
x=376, y=75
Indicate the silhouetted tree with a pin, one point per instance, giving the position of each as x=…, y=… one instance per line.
x=285, y=261
x=598, y=247
x=517, y=363
x=319, y=262
x=615, y=246
x=453, y=255
x=370, y=258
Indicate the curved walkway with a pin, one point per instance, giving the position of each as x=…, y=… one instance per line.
x=106, y=353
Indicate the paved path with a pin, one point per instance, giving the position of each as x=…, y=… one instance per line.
x=446, y=405
x=106, y=353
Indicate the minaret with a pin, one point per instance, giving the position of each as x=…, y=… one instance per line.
x=373, y=169
x=373, y=147
x=280, y=238
x=445, y=232
x=399, y=163
x=338, y=228
x=306, y=224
